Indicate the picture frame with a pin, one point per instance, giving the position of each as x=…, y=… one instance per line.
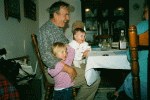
x=30, y=9
x=12, y=9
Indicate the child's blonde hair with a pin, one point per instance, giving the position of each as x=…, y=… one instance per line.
x=57, y=47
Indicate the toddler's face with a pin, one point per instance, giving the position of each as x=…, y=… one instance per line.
x=62, y=54
x=80, y=37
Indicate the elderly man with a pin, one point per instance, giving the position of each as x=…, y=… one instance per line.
x=52, y=32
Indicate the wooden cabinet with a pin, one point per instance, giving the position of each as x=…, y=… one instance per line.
x=90, y=17
x=105, y=17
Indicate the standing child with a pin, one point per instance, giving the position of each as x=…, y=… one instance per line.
x=63, y=82
x=81, y=47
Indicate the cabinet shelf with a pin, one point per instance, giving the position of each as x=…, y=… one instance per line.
x=106, y=19
x=91, y=31
x=91, y=17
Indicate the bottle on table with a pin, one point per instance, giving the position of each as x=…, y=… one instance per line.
x=122, y=41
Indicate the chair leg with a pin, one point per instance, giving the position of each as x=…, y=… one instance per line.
x=74, y=93
x=51, y=93
x=47, y=93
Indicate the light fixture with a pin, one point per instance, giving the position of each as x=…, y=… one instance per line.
x=87, y=9
x=120, y=8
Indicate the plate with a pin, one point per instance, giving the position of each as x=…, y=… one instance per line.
x=105, y=13
x=105, y=24
x=120, y=24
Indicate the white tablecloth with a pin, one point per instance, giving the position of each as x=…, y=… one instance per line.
x=95, y=59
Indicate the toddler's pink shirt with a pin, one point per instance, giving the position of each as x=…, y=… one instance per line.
x=62, y=79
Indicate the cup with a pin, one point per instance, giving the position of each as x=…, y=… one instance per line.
x=104, y=47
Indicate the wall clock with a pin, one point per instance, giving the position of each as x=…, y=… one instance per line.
x=136, y=6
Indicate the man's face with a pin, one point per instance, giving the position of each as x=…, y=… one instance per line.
x=80, y=37
x=62, y=17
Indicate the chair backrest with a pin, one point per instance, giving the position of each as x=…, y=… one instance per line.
x=144, y=39
x=23, y=58
x=101, y=37
x=136, y=41
x=34, y=39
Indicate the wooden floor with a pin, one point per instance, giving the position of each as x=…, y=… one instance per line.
x=110, y=81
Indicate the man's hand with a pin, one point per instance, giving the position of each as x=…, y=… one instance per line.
x=72, y=74
x=85, y=53
x=70, y=70
x=67, y=45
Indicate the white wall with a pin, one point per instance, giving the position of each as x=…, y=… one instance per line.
x=15, y=37
x=135, y=16
x=74, y=16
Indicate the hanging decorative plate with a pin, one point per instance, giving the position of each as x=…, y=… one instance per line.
x=88, y=25
x=119, y=11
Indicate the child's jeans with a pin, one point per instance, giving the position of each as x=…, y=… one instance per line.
x=64, y=94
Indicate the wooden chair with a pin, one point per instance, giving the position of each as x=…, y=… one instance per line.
x=100, y=37
x=22, y=58
x=136, y=41
x=49, y=86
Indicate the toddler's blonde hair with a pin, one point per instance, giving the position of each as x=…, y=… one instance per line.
x=57, y=47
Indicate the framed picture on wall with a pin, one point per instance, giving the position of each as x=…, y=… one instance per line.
x=30, y=9
x=12, y=9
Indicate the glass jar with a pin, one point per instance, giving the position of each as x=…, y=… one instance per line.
x=104, y=46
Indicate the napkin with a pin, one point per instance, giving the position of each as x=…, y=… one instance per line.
x=91, y=76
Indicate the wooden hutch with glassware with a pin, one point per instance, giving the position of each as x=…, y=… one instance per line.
x=105, y=17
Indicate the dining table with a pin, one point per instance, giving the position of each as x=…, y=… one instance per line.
x=110, y=59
